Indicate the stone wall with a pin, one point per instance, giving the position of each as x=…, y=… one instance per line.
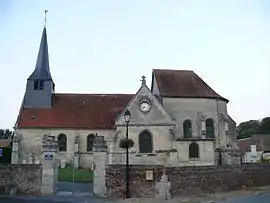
x=185, y=180
x=22, y=179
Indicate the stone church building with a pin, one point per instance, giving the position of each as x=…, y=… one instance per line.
x=179, y=120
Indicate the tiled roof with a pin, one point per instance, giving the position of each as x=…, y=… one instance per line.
x=93, y=111
x=183, y=83
x=244, y=144
x=5, y=143
x=262, y=142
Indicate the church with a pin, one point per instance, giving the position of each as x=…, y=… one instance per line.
x=179, y=120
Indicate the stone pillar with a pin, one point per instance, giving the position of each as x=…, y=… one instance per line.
x=202, y=118
x=49, y=165
x=203, y=129
x=100, y=162
x=15, y=149
x=163, y=187
x=218, y=157
x=76, y=153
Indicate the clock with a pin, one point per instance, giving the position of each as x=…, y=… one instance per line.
x=145, y=106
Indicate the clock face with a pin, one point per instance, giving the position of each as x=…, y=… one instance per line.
x=145, y=107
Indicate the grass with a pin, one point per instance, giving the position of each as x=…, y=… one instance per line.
x=80, y=175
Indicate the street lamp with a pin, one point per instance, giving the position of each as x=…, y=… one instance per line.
x=127, y=116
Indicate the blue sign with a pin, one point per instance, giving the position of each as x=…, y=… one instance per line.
x=1, y=152
x=48, y=157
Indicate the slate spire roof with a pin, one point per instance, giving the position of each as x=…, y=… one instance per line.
x=42, y=69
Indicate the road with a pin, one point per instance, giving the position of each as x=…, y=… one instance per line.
x=261, y=198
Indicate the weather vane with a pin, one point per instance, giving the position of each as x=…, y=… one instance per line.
x=46, y=11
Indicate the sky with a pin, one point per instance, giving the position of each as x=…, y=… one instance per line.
x=105, y=46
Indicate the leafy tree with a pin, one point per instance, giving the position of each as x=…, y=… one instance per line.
x=248, y=128
x=264, y=126
x=6, y=134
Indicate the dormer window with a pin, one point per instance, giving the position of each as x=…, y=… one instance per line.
x=38, y=85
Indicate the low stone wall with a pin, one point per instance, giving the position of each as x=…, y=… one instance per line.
x=186, y=180
x=21, y=179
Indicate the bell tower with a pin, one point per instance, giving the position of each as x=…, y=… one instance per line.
x=40, y=85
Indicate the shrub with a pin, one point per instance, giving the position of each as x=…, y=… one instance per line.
x=264, y=160
x=126, y=143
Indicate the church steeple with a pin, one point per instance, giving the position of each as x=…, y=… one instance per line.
x=42, y=69
x=40, y=85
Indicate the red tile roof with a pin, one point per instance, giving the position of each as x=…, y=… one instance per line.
x=244, y=144
x=183, y=83
x=5, y=143
x=98, y=111
x=92, y=111
x=262, y=142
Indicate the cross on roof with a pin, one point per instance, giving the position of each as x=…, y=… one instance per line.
x=143, y=80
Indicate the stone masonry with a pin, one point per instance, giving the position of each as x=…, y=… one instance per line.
x=21, y=179
x=185, y=180
x=50, y=165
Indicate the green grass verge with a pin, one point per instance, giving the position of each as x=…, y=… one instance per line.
x=80, y=175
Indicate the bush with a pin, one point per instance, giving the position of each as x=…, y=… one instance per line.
x=264, y=160
x=126, y=143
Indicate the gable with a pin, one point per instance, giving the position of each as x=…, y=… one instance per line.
x=157, y=115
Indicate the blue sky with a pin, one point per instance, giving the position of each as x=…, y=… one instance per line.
x=105, y=46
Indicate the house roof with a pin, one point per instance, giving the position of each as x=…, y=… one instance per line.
x=262, y=142
x=244, y=144
x=183, y=83
x=5, y=143
x=92, y=111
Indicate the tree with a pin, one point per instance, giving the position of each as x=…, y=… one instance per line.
x=6, y=134
x=264, y=126
x=248, y=128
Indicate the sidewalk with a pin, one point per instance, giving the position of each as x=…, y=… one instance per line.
x=210, y=198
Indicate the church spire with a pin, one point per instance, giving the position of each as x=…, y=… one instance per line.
x=42, y=69
x=40, y=86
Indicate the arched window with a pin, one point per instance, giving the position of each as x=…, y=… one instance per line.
x=187, y=127
x=62, y=142
x=90, y=142
x=210, y=128
x=145, y=142
x=193, y=150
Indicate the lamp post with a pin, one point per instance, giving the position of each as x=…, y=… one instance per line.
x=127, y=119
